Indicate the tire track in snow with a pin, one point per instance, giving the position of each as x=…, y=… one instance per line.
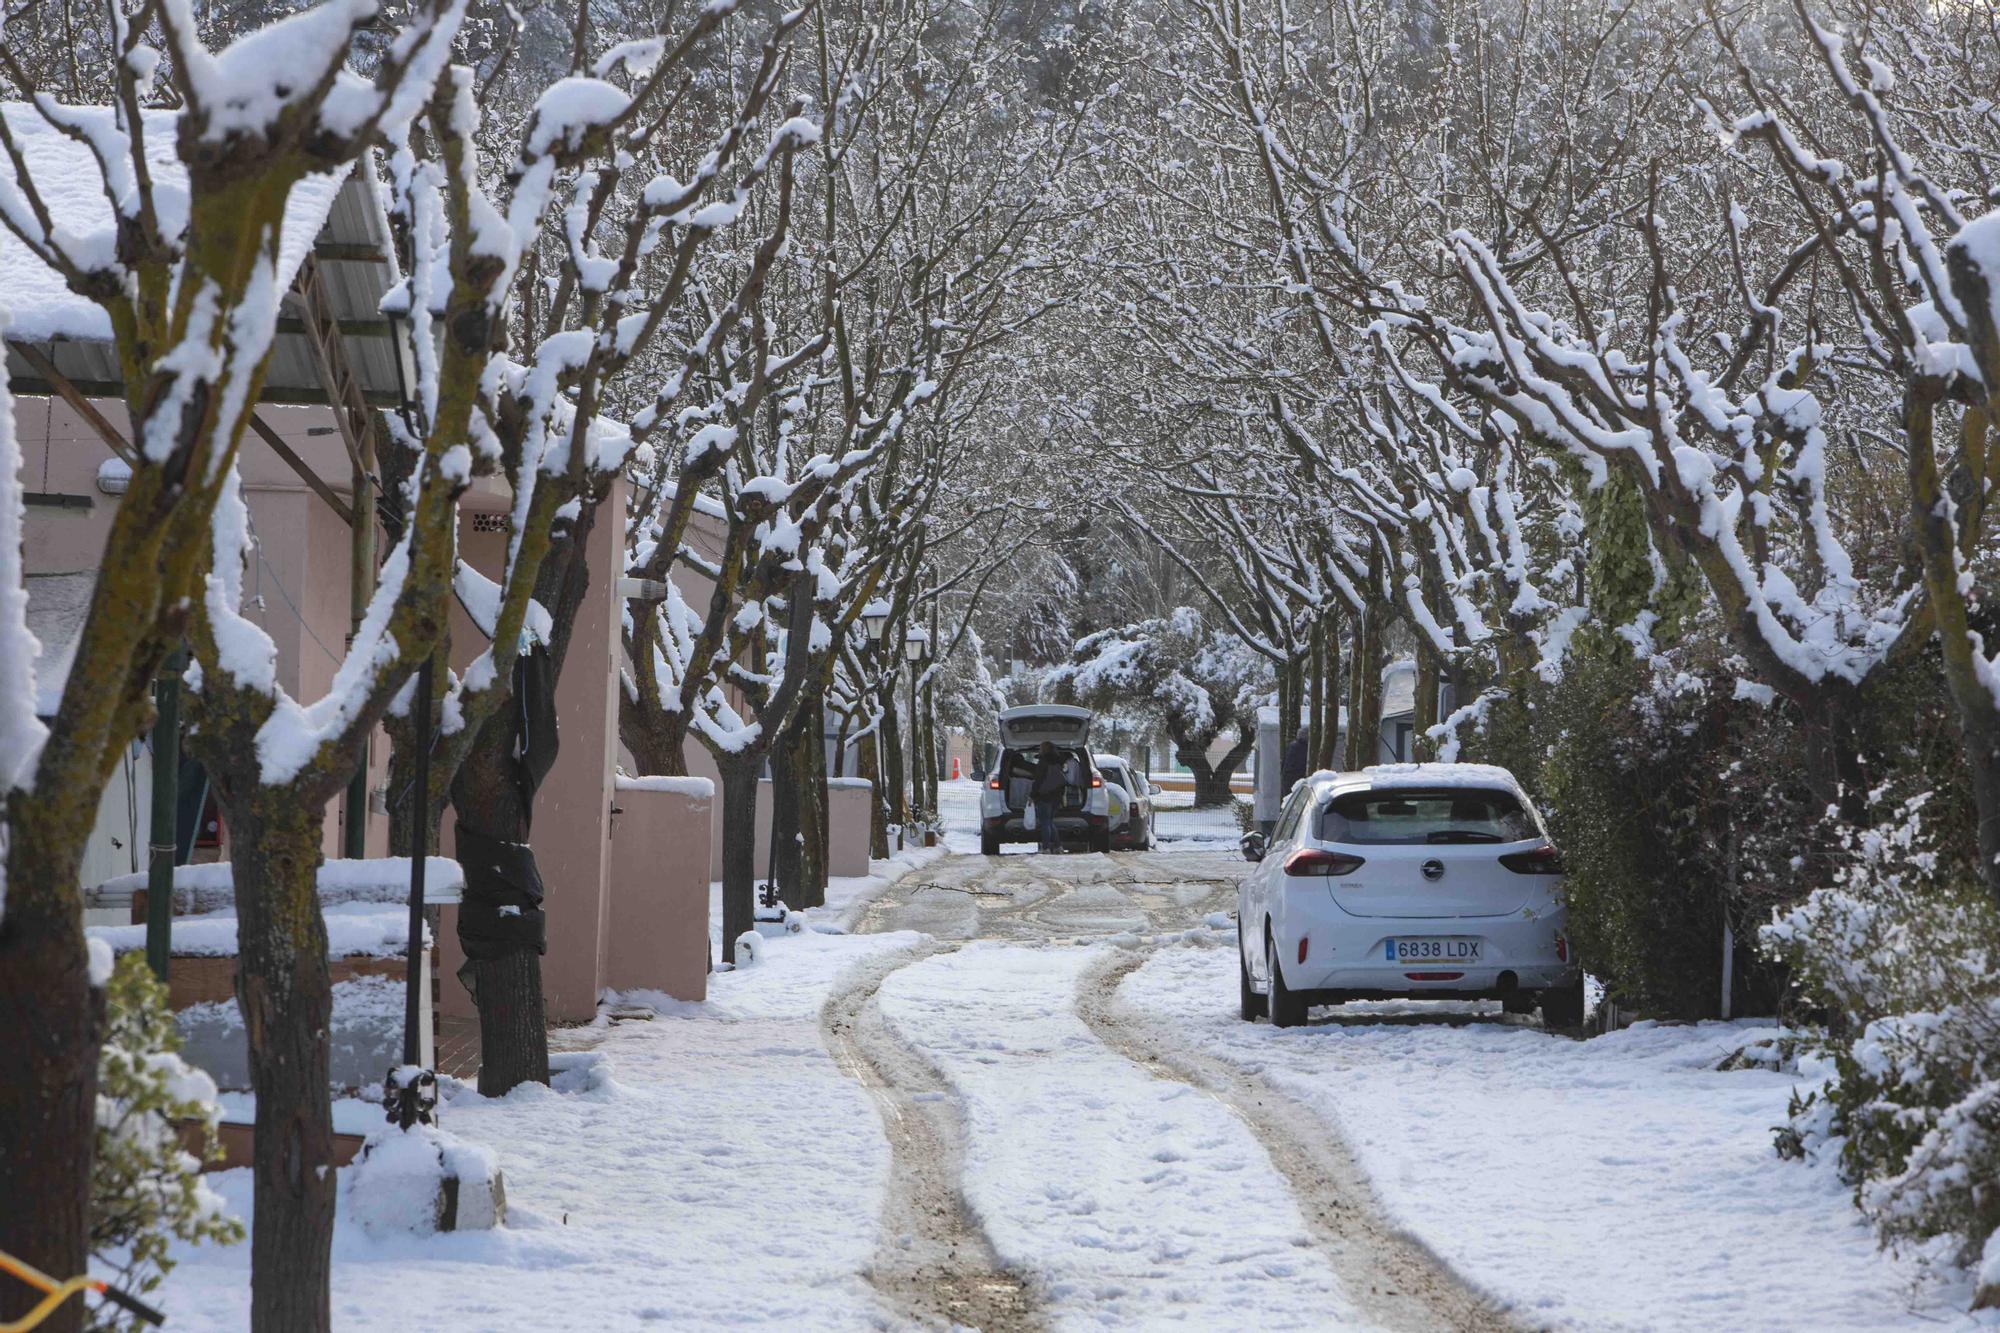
x=1395, y=1278
x=1133, y=1200
x=934, y=1264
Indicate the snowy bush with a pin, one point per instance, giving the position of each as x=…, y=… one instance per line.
x=146, y=1187
x=1901, y=958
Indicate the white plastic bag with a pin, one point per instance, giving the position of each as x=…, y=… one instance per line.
x=1028, y=817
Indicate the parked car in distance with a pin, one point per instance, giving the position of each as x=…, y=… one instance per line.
x=1084, y=808
x=1131, y=803
x=1433, y=881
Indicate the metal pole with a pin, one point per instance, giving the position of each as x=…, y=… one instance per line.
x=360, y=591
x=161, y=842
x=1728, y=968
x=916, y=760
x=419, y=829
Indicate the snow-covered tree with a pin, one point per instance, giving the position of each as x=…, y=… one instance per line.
x=1196, y=681
x=187, y=279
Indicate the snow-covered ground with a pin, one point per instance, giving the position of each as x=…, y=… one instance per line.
x=712, y=1167
x=1618, y=1183
x=702, y=1165
x=1129, y=1200
x=847, y=896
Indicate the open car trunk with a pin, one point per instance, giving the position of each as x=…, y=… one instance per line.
x=1026, y=727
x=1017, y=779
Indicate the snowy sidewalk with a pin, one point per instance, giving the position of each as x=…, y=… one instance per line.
x=1620, y=1183
x=712, y=1167
x=1129, y=1201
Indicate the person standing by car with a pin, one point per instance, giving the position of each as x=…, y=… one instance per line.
x=1293, y=771
x=1046, y=793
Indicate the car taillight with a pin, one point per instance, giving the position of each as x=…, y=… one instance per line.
x=1096, y=781
x=1562, y=948
x=995, y=784
x=1313, y=861
x=1543, y=860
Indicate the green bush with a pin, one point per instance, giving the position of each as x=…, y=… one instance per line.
x=1678, y=808
x=146, y=1188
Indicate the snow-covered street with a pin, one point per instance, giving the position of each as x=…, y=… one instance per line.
x=1017, y=1095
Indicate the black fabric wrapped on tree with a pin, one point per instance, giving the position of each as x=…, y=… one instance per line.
x=502, y=909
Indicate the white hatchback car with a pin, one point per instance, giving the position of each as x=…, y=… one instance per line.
x=1433, y=881
x=1131, y=803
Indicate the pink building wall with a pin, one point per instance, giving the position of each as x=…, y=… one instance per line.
x=300, y=571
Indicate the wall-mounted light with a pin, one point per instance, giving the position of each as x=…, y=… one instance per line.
x=114, y=476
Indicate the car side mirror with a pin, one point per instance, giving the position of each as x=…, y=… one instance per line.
x=1253, y=845
x=1153, y=789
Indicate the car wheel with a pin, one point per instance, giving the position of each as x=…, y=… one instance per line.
x=1520, y=1002
x=1562, y=1006
x=989, y=843
x=1253, y=1006
x=1288, y=1007
x=1100, y=840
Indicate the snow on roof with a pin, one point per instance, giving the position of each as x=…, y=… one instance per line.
x=57, y=606
x=1399, y=689
x=40, y=303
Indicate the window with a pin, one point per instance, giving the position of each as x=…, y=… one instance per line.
x=1288, y=818
x=1454, y=815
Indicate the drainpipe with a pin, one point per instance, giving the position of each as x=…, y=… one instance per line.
x=161, y=841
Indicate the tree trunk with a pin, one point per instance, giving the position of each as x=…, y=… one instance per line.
x=814, y=816
x=1938, y=544
x=1316, y=695
x=867, y=764
x=1328, y=754
x=1291, y=713
x=892, y=763
x=1364, y=716
x=1232, y=759
x=53, y=1020
x=655, y=756
x=1211, y=784
x=1430, y=674
x=739, y=849
x=788, y=780
x=285, y=995
x=513, y=1016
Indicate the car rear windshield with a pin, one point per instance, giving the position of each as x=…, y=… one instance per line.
x=1454, y=815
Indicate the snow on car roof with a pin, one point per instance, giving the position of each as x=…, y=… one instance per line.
x=1102, y=759
x=1428, y=775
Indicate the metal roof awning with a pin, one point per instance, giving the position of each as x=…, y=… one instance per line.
x=333, y=345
